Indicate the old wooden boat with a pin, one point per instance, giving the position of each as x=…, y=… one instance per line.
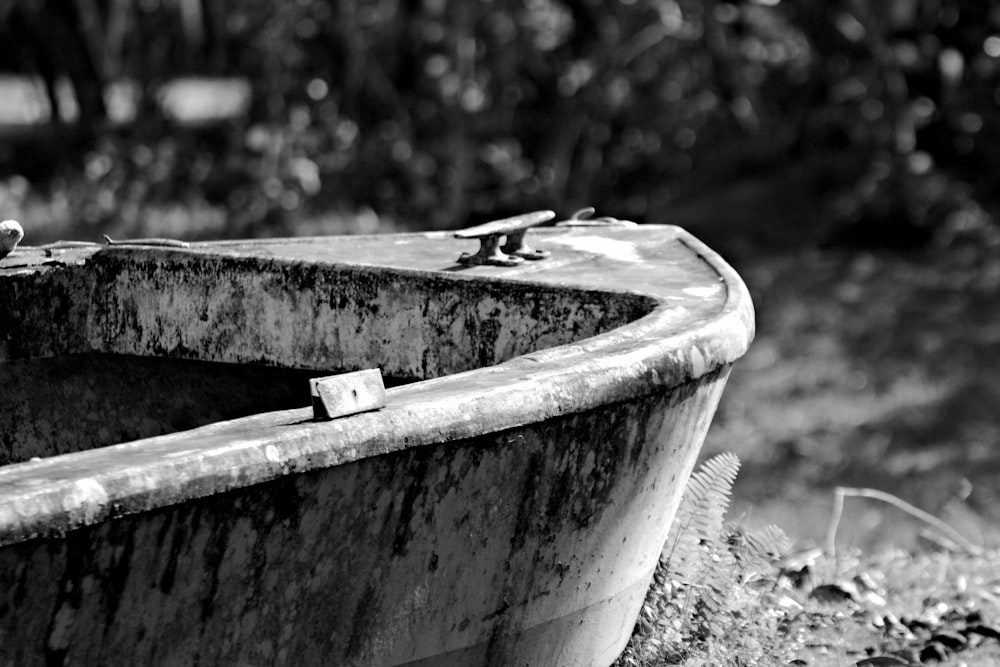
x=168, y=498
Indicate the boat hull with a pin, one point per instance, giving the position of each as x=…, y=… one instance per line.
x=533, y=546
x=507, y=505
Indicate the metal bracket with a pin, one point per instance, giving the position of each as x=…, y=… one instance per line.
x=347, y=394
x=518, y=248
x=489, y=254
x=582, y=218
x=59, y=247
x=165, y=243
x=512, y=230
x=11, y=234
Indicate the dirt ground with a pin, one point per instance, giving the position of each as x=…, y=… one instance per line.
x=870, y=369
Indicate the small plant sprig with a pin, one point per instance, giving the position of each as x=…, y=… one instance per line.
x=723, y=596
x=701, y=600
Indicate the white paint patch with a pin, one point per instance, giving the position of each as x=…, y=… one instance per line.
x=224, y=450
x=7, y=515
x=622, y=251
x=698, y=363
x=183, y=452
x=708, y=290
x=272, y=454
x=86, y=496
x=24, y=506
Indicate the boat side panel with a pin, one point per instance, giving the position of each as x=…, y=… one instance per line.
x=527, y=546
x=43, y=311
x=320, y=316
x=256, y=314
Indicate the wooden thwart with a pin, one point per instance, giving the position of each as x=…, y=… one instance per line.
x=514, y=251
x=347, y=394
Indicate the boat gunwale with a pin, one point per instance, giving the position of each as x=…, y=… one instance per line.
x=48, y=497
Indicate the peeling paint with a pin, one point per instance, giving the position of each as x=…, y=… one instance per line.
x=86, y=497
x=699, y=365
x=702, y=291
x=620, y=251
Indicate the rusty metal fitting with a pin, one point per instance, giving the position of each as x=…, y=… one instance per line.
x=582, y=218
x=511, y=232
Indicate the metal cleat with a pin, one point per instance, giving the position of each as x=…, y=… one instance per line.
x=491, y=234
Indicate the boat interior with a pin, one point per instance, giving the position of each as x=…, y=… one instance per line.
x=124, y=343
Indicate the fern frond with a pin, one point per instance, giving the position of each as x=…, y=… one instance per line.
x=756, y=551
x=768, y=544
x=698, y=598
x=698, y=524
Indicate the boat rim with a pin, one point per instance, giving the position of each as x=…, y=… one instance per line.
x=51, y=496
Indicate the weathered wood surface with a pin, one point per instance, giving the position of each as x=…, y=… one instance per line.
x=507, y=507
x=347, y=394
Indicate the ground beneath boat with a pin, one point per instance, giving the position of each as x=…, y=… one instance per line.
x=878, y=370
x=870, y=369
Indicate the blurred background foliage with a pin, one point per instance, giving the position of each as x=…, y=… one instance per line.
x=814, y=121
